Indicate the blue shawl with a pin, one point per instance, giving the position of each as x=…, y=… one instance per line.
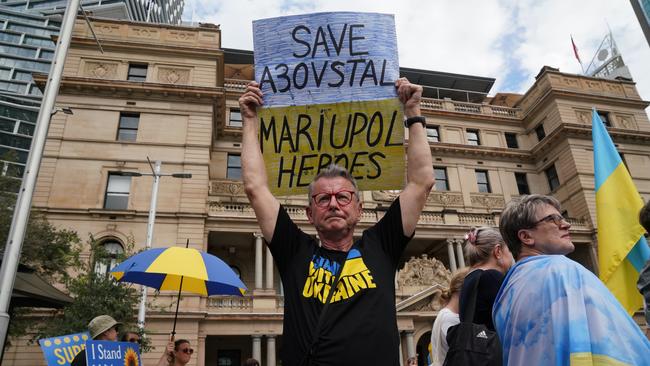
x=551, y=310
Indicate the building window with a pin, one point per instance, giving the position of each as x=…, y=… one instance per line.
x=553, y=179
x=522, y=183
x=442, y=182
x=128, y=128
x=137, y=72
x=234, y=118
x=234, y=167
x=604, y=116
x=511, y=140
x=472, y=137
x=483, y=181
x=539, y=130
x=107, y=257
x=117, y=192
x=433, y=134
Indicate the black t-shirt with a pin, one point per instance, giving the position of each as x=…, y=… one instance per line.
x=360, y=325
x=488, y=286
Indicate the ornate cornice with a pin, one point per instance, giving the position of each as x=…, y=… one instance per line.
x=575, y=130
x=129, y=89
x=480, y=152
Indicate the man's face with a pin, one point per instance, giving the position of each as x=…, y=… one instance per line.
x=109, y=335
x=333, y=216
x=551, y=233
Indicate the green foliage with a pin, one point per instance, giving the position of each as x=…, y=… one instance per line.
x=96, y=294
x=56, y=255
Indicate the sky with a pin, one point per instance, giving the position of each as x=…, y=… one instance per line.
x=506, y=40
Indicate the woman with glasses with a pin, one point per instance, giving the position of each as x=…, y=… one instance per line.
x=489, y=259
x=176, y=354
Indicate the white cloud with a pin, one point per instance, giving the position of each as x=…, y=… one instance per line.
x=506, y=40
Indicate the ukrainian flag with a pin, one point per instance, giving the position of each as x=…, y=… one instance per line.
x=622, y=249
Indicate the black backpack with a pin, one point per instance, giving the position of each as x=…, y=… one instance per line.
x=472, y=344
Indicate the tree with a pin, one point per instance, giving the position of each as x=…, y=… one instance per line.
x=47, y=250
x=95, y=294
x=55, y=254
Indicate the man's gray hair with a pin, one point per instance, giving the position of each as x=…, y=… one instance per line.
x=333, y=171
x=521, y=214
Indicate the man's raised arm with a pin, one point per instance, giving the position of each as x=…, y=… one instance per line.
x=265, y=205
x=419, y=170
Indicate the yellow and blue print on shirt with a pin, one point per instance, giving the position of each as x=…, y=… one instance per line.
x=355, y=277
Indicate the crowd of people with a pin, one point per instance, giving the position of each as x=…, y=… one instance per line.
x=545, y=308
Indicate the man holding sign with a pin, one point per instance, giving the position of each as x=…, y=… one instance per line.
x=356, y=322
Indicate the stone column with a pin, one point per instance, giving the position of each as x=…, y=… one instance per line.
x=410, y=345
x=258, y=261
x=452, y=256
x=200, y=351
x=257, y=347
x=269, y=270
x=270, y=350
x=459, y=251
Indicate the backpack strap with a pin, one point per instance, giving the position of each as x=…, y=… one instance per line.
x=470, y=307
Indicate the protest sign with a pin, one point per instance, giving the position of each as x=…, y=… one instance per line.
x=108, y=353
x=61, y=350
x=328, y=81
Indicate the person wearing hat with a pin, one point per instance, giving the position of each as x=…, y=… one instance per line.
x=101, y=328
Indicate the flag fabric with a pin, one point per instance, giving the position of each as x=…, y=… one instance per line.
x=575, y=50
x=551, y=310
x=622, y=248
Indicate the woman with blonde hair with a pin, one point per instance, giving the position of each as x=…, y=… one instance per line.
x=447, y=317
x=489, y=259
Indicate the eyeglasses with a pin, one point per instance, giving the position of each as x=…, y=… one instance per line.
x=134, y=340
x=189, y=351
x=343, y=198
x=557, y=220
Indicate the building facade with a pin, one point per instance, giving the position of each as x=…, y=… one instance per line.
x=27, y=46
x=170, y=93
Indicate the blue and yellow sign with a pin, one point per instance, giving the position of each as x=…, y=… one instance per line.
x=107, y=353
x=328, y=81
x=61, y=350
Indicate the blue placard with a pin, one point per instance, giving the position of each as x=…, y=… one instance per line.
x=326, y=58
x=107, y=353
x=61, y=350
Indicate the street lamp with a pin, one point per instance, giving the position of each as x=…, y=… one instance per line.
x=156, y=174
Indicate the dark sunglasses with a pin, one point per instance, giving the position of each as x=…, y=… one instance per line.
x=189, y=351
x=134, y=340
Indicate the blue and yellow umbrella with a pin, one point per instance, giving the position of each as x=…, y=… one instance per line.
x=165, y=268
x=180, y=269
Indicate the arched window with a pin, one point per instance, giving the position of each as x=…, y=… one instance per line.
x=108, y=260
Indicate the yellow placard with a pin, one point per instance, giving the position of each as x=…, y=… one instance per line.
x=366, y=138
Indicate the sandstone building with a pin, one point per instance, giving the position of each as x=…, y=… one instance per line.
x=184, y=112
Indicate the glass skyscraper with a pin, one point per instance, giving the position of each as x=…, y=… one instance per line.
x=642, y=11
